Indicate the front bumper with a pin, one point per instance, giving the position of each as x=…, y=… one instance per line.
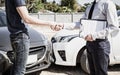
x=42, y=58
x=65, y=49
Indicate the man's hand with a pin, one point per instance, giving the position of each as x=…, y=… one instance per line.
x=57, y=27
x=89, y=38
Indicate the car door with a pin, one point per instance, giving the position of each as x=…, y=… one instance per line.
x=116, y=45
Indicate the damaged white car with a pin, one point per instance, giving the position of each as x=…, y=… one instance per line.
x=69, y=49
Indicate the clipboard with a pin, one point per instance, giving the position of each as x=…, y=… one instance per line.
x=91, y=26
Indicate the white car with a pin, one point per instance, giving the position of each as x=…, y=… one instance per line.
x=69, y=49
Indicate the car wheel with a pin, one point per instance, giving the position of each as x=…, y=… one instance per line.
x=84, y=62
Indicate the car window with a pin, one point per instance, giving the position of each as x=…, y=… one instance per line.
x=3, y=21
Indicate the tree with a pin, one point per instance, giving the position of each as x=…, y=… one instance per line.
x=69, y=3
x=51, y=7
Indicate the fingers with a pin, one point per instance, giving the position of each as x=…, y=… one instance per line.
x=89, y=38
x=52, y=27
x=57, y=27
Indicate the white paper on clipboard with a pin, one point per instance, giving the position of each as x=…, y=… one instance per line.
x=91, y=26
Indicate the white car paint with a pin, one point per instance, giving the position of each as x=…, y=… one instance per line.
x=73, y=47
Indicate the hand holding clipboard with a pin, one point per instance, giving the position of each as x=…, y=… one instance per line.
x=91, y=26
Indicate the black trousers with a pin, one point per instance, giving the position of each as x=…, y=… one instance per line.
x=98, y=56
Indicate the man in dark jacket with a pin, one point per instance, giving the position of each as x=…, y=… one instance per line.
x=17, y=17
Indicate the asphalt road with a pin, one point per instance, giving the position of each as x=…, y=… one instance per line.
x=63, y=70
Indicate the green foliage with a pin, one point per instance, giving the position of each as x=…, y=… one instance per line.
x=64, y=9
x=35, y=6
x=52, y=7
x=83, y=8
x=69, y=3
x=56, y=8
x=43, y=1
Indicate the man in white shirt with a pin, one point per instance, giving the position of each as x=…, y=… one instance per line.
x=98, y=49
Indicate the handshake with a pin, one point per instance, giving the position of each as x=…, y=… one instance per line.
x=57, y=26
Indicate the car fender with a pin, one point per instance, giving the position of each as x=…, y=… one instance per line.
x=71, y=48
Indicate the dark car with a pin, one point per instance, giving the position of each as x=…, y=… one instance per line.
x=39, y=54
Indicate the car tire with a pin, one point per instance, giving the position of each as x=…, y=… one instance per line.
x=84, y=62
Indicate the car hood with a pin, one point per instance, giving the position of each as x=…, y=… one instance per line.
x=36, y=38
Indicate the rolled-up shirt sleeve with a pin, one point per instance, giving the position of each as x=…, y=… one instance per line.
x=70, y=26
x=112, y=19
x=19, y=3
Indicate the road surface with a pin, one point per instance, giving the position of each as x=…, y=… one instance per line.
x=62, y=70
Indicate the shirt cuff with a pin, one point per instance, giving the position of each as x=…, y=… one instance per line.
x=69, y=26
x=94, y=36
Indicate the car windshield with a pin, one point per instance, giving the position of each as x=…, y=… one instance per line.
x=3, y=21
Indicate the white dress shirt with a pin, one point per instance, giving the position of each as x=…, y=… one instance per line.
x=104, y=10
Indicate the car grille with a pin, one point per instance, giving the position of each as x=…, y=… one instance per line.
x=38, y=50
x=42, y=59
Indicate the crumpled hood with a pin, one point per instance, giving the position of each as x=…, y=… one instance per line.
x=35, y=37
